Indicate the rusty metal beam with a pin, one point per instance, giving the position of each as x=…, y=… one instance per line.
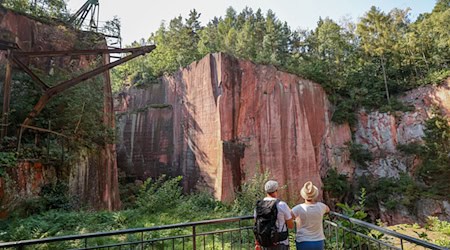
x=82, y=52
x=27, y=70
x=72, y=82
x=6, y=45
x=6, y=98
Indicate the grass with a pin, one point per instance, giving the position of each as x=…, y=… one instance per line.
x=157, y=202
x=434, y=231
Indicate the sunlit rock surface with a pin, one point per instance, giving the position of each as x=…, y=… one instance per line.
x=221, y=120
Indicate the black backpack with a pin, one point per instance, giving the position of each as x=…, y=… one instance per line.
x=265, y=229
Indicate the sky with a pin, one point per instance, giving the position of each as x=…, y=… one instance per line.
x=139, y=18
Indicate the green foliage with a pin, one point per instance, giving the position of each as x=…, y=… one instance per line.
x=53, y=196
x=159, y=203
x=336, y=184
x=77, y=114
x=395, y=105
x=434, y=231
x=356, y=211
x=359, y=64
x=160, y=194
x=359, y=154
x=435, y=225
x=435, y=167
x=40, y=8
x=435, y=77
x=391, y=192
x=250, y=192
x=438, y=226
x=414, y=148
x=7, y=160
x=344, y=112
x=201, y=203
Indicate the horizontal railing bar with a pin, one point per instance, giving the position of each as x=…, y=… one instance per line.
x=188, y=236
x=384, y=243
x=110, y=245
x=125, y=231
x=362, y=235
x=217, y=221
x=223, y=231
x=389, y=232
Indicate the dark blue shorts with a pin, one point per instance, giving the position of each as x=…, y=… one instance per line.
x=310, y=245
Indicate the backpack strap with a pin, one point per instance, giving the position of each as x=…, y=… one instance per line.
x=285, y=225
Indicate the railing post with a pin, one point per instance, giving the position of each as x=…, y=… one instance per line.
x=351, y=235
x=240, y=235
x=194, y=244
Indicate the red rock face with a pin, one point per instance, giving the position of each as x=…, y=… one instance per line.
x=99, y=188
x=225, y=120
x=25, y=180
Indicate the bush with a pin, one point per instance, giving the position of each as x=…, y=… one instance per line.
x=159, y=195
x=336, y=184
x=56, y=196
x=53, y=196
x=438, y=226
x=391, y=191
x=413, y=148
x=202, y=201
x=435, y=170
x=250, y=192
x=7, y=160
x=359, y=154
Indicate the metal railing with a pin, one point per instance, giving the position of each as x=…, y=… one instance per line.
x=341, y=232
x=229, y=233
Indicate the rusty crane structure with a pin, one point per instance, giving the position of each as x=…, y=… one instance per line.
x=15, y=55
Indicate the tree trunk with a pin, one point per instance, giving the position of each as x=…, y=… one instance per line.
x=385, y=81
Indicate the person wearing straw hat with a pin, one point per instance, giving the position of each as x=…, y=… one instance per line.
x=309, y=218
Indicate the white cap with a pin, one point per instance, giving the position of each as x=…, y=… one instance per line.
x=271, y=186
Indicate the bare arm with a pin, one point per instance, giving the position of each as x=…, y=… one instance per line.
x=327, y=209
x=290, y=223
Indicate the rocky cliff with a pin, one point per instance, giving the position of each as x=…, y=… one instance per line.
x=221, y=120
x=94, y=177
x=381, y=133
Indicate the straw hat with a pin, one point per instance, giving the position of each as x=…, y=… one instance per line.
x=309, y=191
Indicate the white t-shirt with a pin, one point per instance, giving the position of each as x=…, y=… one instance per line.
x=309, y=221
x=284, y=214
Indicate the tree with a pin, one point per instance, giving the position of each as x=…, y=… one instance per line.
x=41, y=8
x=435, y=168
x=430, y=44
x=374, y=32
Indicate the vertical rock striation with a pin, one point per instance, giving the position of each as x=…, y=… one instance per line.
x=221, y=120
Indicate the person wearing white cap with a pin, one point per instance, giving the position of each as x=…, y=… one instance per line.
x=309, y=216
x=284, y=219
